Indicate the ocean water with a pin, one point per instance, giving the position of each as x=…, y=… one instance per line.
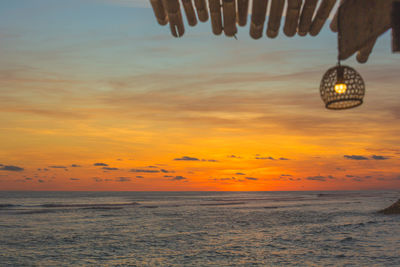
x=198, y=229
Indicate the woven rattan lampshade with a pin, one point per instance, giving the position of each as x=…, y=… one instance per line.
x=344, y=76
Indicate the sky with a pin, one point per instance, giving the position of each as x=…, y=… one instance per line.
x=95, y=95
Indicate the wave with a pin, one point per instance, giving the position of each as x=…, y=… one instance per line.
x=222, y=204
x=88, y=205
x=5, y=206
x=34, y=211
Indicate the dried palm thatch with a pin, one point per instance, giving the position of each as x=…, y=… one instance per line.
x=362, y=21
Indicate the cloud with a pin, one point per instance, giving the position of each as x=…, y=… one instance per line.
x=139, y=177
x=28, y=179
x=240, y=173
x=58, y=167
x=210, y=160
x=317, y=178
x=144, y=171
x=75, y=166
x=110, y=169
x=234, y=157
x=355, y=157
x=179, y=178
x=11, y=168
x=270, y=158
x=122, y=179
x=97, y=179
x=186, y=158
x=100, y=164
x=168, y=176
x=41, y=181
x=74, y=179
x=252, y=178
x=376, y=157
x=286, y=175
x=166, y=171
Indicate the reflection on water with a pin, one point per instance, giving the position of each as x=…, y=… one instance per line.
x=198, y=228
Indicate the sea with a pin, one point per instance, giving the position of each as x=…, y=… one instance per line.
x=340, y=228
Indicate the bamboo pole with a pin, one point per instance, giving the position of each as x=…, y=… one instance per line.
x=292, y=17
x=275, y=16
x=258, y=14
x=322, y=15
x=175, y=17
x=189, y=11
x=363, y=54
x=201, y=7
x=229, y=8
x=216, y=17
x=159, y=12
x=242, y=12
x=306, y=16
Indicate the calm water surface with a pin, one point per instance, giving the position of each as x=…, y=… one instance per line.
x=198, y=229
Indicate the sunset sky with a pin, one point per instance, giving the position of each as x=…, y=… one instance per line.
x=95, y=95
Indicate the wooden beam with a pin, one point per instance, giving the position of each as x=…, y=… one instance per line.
x=201, y=8
x=363, y=54
x=259, y=11
x=229, y=8
x=396, y=26
x=189, y=11
x=306, y=17
x=216, y=16
x=361, y=21
x=159, y=11
x=242, y=12
x=322, y=15
x=275, y=16
x=292, y=17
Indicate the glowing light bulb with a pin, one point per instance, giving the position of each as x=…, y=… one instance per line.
x=340, y=88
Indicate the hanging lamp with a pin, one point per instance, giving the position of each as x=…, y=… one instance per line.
x=342, y=87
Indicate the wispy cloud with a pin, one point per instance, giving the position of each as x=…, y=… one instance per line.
x=355, y=157
x=376, y=157
x=123, y=179
x=187, y=158
x=144, y=171
x=110, y=169
x=100, y=164
x=11, y=168
x=179, y=178
x=58, y=167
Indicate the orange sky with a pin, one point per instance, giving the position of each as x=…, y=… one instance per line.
x=78, y=87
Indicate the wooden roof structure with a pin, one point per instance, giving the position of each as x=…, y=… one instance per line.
x=361, y=21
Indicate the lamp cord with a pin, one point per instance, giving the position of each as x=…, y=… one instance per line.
x=339, y=31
